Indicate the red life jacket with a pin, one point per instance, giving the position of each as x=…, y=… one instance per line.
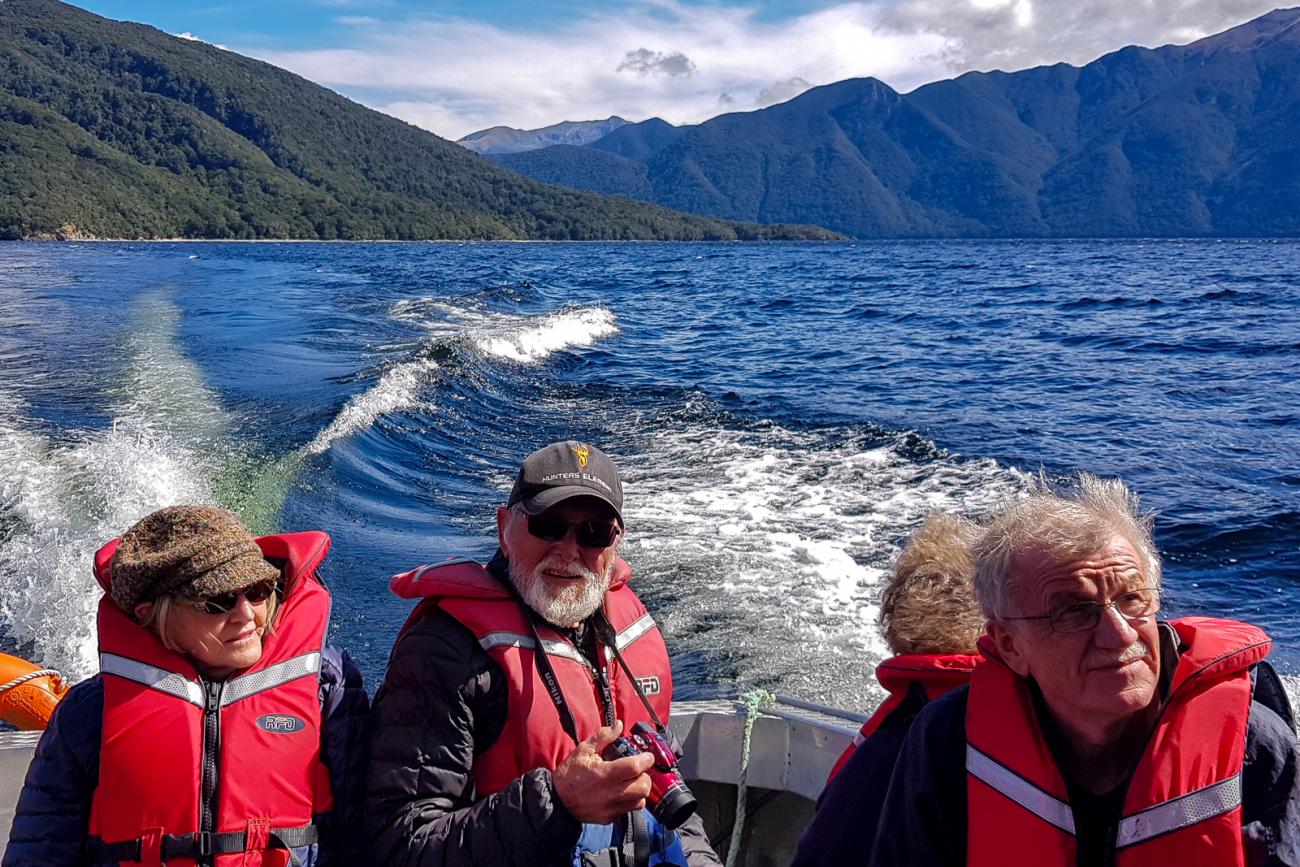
x=224, y=773
x=935, y=673
x=533, y=736
x=1183, y=802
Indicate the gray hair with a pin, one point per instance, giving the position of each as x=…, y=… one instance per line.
x=1075, y=519
x=929, y=601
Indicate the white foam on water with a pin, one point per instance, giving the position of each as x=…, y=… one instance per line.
x=160, y=386
x=777, y=542
x=63, y=494
x=398, y=389
x=529, y=340
x=61, y=501
x=510, y=337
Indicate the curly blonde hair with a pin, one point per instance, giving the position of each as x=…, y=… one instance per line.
x=929, y=602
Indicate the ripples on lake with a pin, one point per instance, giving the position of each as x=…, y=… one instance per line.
x=784, y=414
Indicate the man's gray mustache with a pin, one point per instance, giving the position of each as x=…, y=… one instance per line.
x=571, y=570
x=1137, y=650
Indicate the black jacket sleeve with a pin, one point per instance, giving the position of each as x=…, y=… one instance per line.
x=442, y=704
x=53, y=814
x=843, y=829
x=344, y=706
x=695, y=844
x=1270, y=797
x=923, y=818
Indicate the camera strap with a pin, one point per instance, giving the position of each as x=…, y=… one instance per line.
x=605, y=633
x=544, y=669
x=606, y=636
x=636, y=851
x=551, y=681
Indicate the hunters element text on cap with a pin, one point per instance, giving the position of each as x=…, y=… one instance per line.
x=559, y=471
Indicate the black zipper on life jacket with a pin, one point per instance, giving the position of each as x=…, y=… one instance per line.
x=210, y=769
x=606, y=693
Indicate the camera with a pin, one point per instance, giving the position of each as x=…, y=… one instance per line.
x=670, y=800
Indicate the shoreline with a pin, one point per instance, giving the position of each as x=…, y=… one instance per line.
x=895, y=240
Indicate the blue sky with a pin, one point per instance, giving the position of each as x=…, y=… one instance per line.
x=455, y=66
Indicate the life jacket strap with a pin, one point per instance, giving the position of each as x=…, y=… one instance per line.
x=202, y=844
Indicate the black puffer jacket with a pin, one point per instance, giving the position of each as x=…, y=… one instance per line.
x=443, y=703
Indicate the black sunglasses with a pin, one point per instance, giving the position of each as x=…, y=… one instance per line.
x=590, y=534
x=223, y=603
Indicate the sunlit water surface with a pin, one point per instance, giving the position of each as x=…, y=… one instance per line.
x=785, y=415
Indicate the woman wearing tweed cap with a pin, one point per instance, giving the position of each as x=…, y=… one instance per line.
x=222, y=728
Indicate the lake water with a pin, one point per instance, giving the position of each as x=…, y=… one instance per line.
x=785, y=414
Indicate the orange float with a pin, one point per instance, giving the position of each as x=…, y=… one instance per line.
x=28, y=693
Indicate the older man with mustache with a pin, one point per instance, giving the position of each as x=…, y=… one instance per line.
x=508, y=683
x=1096, y=734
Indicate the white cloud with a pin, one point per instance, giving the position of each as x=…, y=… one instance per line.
x=686, y=63
x=190, y=37
x=356, y=20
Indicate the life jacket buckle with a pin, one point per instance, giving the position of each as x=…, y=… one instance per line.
x=203, y=843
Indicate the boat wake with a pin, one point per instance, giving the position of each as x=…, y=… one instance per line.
x=398, y=389
x=64, y=495
x=796, y=529
x=170, y=441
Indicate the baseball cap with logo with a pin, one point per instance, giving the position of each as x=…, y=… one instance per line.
x=563, y=470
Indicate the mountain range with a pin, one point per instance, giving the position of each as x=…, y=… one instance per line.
x=1191, y=140
x=508, y=140
x=112, y=129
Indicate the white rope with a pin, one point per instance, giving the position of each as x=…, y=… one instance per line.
x=19, y=681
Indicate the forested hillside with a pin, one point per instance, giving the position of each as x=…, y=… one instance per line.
x=110, y=129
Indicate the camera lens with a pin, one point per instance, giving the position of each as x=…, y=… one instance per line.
x=676, y=806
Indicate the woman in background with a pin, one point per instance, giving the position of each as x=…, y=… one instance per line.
x=931, y=622
x=222, y=728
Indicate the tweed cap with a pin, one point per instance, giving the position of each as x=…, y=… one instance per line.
x=193, y=551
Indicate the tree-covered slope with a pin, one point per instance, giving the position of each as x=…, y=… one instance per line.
x=1190, y=140
x=602, y=172
x=124, y=131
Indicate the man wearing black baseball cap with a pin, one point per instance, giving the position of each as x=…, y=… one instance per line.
x=509, y=682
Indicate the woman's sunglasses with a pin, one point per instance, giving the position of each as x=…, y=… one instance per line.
x=225, y=602
x=590, y=534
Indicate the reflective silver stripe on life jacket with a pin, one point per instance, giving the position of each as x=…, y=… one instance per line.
x=551, y=646
x=1001, y=778
x=170, y=682
x=634, y=630
x=1181, y=812
x=242, y=687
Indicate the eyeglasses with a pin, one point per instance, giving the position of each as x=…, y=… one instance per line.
x=590, y=534
x=226, y=602
x=1082, y=616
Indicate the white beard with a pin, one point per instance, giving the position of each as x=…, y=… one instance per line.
x=567, y=604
